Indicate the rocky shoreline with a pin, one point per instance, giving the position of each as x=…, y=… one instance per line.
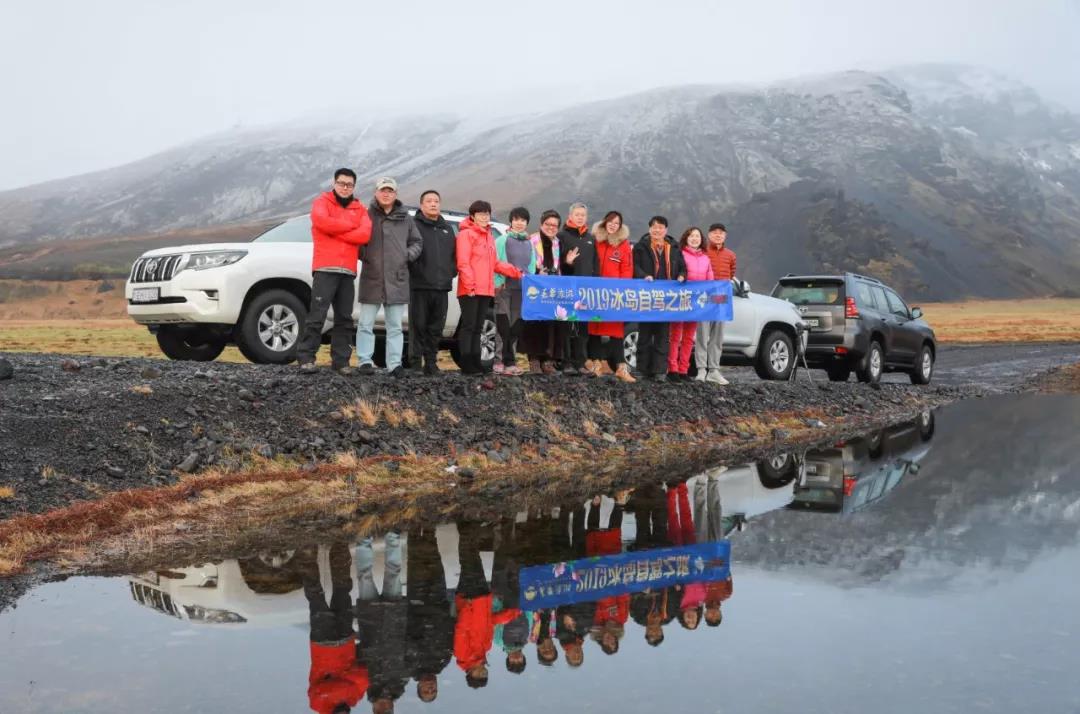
x=73, y=430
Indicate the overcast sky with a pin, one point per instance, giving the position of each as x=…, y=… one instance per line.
x=88, y=85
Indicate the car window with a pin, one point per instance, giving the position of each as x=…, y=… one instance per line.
x=881, y=302
x=864, y=297
x=297, y=230
x=810, y=292
x=896, y=305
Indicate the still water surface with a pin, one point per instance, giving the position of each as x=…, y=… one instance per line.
x=930, y=567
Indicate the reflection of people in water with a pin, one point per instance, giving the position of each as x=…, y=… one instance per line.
x=474, y=630
x=511, y=637
x=337, y=681
x=649, y=506
x=382, y=617
x=708, y=514
x=570, y=542
x=543, y=634
x=681, y=531
x=715, y=594
x=649, y=609
x=430, y=626
x=609, y=613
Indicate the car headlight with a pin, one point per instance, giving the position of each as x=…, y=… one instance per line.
x=210, y=259
x=198, y=613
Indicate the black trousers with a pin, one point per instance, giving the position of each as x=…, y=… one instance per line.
x=652, y=347
x=610, y=349
x=333, y=621
x=472, y=582
x=577, y=338
x=473, y=309
x=509, y=333
x=336, y=290
x=427, y=318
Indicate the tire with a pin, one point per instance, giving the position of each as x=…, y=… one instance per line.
x=630, y=343
x=775, y=356
x=778, y=471
x=926, y=426
x=839, y=373
x=873, y=364
x=271, y=326
x=191, y=344
x=487, y=343
x=923, y=370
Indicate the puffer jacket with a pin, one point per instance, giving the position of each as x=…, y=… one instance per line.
x=475, y=628
x=698, y=265
x=614, y=259
x=337, y=232
x=477, y=261
x=436, y=267
x=336, y=677
x=394, y=244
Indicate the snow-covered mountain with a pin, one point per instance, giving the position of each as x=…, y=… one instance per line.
x=948, y=181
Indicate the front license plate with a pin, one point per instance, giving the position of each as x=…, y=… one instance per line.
x=811, y=469
x=812, y=321
x=145, y=294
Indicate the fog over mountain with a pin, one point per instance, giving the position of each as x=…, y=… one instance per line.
x=947, y=180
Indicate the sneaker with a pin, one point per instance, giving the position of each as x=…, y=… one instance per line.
x=586, y=372
x=659, y=377
x=513, y=371
x=308, y=368
x=716, y=378
x=397, y=372
x=548, y=368
x=430, y=368
x=674, y=377
x=345, y=371
x=366, y=369
x=499, y=368
x=534, y=367
x=701, y=373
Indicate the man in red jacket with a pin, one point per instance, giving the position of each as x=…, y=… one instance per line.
x=339, y=226
x=709, y=345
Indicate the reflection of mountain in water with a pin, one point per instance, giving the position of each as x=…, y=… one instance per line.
x=999, y=486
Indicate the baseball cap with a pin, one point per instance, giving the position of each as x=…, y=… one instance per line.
x=386, y=182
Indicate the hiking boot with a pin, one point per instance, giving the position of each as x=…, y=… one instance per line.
x=345, y=371
x=431, y=367
x=308, y=368
x=586, y=372
x=534, y=367
x=623, y=374
x=716, y=378
x=366, y=369
x=594, y=368
x=398, y=372
x=605, y=368
x=548, y=367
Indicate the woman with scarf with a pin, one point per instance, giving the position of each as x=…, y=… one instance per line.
x=542, y=340
x=614, y=259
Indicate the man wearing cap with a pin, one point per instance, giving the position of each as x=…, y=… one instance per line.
x=384, y=276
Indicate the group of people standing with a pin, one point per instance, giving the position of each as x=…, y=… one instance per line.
x=416, y=635
x=413, y=260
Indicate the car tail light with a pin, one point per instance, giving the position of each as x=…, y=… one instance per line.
x=841, y=350
x=849, y=485
x=839, y=444
x=850, y=309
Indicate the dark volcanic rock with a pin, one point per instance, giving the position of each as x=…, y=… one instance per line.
x=7, y=369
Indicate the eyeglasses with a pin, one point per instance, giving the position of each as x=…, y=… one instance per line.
x=345, y=184
x=551, y=224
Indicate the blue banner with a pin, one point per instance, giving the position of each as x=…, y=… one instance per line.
x=604, y=576
x=564, y=297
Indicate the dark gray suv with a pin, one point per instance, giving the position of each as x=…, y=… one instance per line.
x=859, y=324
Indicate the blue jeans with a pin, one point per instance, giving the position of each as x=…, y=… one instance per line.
x=365, y=334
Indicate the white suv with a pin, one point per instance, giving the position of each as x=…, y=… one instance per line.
x=198, y=298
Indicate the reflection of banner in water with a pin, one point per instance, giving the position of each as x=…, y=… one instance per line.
x=594, y=578
x=564, y=297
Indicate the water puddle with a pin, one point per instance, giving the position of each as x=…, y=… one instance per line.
x=926, y=567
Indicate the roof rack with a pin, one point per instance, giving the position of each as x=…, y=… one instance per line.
x=866, y=277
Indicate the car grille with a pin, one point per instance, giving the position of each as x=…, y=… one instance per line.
x=155, y=270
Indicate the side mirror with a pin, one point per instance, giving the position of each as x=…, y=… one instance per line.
x=916, y=313
x=741, y=287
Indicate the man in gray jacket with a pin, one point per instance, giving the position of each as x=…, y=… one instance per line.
x=384, y=276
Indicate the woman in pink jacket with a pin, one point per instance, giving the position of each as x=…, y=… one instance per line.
x=698, y=267
x=477, y=263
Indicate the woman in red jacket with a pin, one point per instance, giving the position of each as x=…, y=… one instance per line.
x=614, y=259
x=477, y=263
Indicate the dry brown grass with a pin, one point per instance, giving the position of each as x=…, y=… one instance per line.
x=143, y=389
x=6, y=493
x=1050, y=320
x=360, y=410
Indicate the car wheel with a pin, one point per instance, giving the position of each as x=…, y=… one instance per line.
x=839, y=373
x=192, y=344
x=924, y=366
x=488, y=331
x=777, y=472
x=926, y=425
x=270, y=328
x=629, y=344
x=869, y=371
x=775, y=356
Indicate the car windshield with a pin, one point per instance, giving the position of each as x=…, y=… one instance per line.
x=296, y=230
x=810, y=292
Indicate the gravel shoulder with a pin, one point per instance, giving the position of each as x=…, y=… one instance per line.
x=74, y=430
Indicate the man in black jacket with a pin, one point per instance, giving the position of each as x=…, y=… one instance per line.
x=656, y=257
x=432, y=276
x=577, y=257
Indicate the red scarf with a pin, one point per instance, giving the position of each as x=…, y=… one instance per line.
x=576, y=227
x=656, y=250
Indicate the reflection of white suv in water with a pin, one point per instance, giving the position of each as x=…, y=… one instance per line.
x=198, y=298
